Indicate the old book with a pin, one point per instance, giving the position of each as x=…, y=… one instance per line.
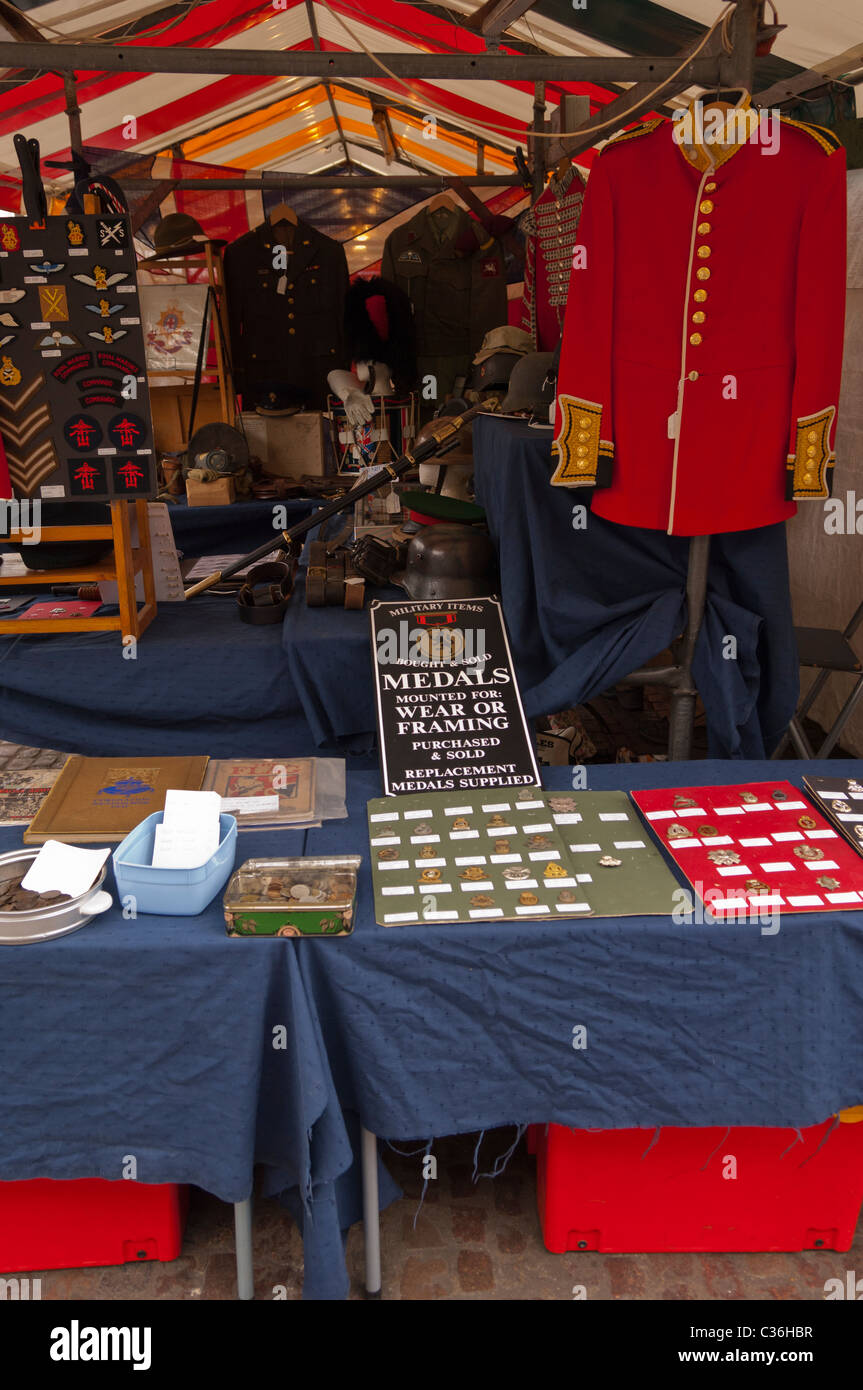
x=22, y=793
x=282, y=790
x=102, y=799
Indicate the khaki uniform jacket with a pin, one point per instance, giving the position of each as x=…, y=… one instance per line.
x=456, y=298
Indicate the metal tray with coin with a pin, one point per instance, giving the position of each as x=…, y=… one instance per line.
x=22, y=923
x=292, y=897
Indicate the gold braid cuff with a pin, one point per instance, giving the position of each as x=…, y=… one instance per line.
x=810, y=467
x=583, y=458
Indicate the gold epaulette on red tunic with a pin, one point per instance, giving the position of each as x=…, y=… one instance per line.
x=644, y=129
x=819, y=133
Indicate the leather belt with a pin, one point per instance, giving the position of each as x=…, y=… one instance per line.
x=266, y=593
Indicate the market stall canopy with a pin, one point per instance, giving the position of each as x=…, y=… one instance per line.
x=245, y=123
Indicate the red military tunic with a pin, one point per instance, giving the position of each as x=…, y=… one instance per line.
x=551, y=227
x=702, y=345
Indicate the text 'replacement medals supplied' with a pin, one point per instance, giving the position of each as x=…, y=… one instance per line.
x=449, y=712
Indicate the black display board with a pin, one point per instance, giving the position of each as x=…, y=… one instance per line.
x=74, y=406
x=449, y=711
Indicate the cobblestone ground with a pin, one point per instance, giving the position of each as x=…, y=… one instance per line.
x=468, y=1241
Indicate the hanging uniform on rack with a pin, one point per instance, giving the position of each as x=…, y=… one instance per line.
x=550, y=226
x=286, y=321
x=453, y=273
x=702, y=347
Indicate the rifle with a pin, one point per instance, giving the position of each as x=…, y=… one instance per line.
x=443, y=437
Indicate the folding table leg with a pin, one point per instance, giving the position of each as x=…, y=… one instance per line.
x=371, y=1212
x=243, y=1242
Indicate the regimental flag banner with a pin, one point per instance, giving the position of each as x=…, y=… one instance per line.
x=74, y=406
x=449, y=711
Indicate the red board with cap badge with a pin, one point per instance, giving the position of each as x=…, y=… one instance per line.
x=754, y=847
x=69, y=310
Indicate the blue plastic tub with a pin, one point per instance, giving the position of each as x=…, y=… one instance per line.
x=171, y=892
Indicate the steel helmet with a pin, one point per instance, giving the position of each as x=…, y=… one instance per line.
x=450, y=560
x=530, y=387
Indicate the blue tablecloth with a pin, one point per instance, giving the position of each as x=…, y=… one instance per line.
x=202, y=682
x=585, y=607
x=155, y=1037
x=329, y=658
x=233, y=530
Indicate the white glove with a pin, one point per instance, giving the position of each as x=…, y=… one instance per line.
x=359, y=408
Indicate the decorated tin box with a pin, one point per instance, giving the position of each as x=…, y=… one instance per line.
x=293, y=897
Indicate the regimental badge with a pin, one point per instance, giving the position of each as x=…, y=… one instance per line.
x=430, y=876
x=474, y=873
x=423, y=828
x=460, y=823
x=74, y=232
x=806, y=823
x=428, y=852
x=128, y=476
x=679, y=832
x=82, y=432
x=566, y=895
x=9, y=373
x=754, y=885
x=501, y=846
x=112, y=232
x=388, y=853
x=748, y=797
x=808, y=852
x=855, y=787
x=515, y=874
x=841, y=807
x=562, y=805
x=553, y=870
x=127, y=431
x=53, y=304
x=104, y=308
x=481, y=900
x=46, y=267
x=705, y=831
x=780, y=795
x=100, y=279
x=107, y=334
x=683, y=801
x=529, y=794
x=608, y=861
x=825, y=881
x=724, y=856
x=497, y=822
x=539, y=842
x=410, y=258
x=490, y=267
x=87, y=476
x=528, y=899
x=9, y=238
x=56, y=339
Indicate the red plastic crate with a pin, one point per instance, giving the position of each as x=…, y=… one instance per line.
x=45, y=1224
x=619, y=1191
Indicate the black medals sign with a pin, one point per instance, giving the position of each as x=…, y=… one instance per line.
x=449, y=710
